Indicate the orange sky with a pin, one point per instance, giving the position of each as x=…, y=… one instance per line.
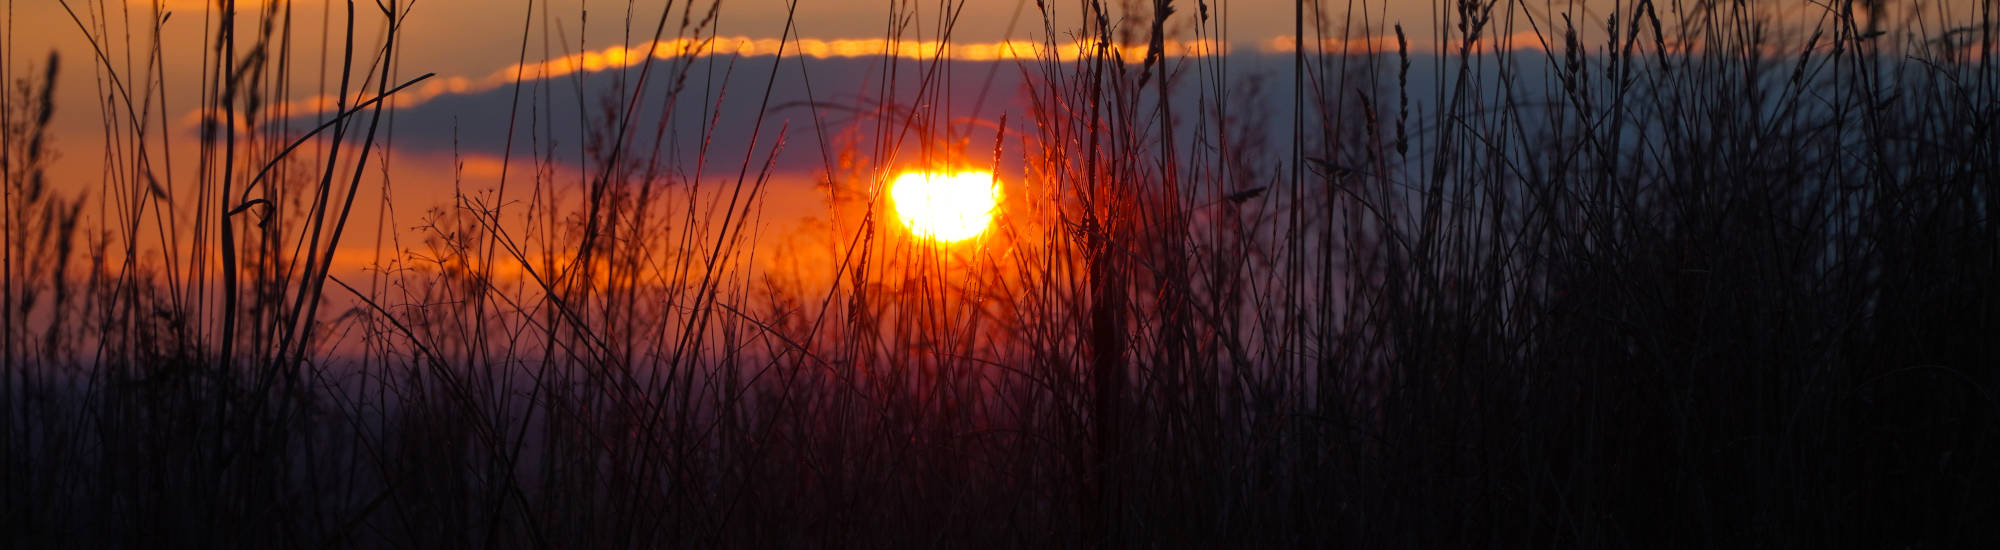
x=468, y=42
x=476, y=45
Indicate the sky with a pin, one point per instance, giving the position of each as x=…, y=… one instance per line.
x=475, y=39
x=468, y=43
x=476, y=47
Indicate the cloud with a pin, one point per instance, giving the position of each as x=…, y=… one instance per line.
x=623, y=57
x=193, y=5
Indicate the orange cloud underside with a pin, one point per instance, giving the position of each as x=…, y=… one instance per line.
x=618, y=57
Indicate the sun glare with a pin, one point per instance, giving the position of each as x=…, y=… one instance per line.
x=945, y=207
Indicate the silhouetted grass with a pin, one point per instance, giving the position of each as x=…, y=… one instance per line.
x=1701, y=275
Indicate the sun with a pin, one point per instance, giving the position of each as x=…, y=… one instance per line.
x=946, y=207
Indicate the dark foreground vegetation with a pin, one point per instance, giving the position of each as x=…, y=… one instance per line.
x=1658, y=274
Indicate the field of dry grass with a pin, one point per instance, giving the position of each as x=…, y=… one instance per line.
x=1680, y=274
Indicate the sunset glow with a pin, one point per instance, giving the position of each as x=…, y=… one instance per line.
x=945, y=207
x=1266, y=273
